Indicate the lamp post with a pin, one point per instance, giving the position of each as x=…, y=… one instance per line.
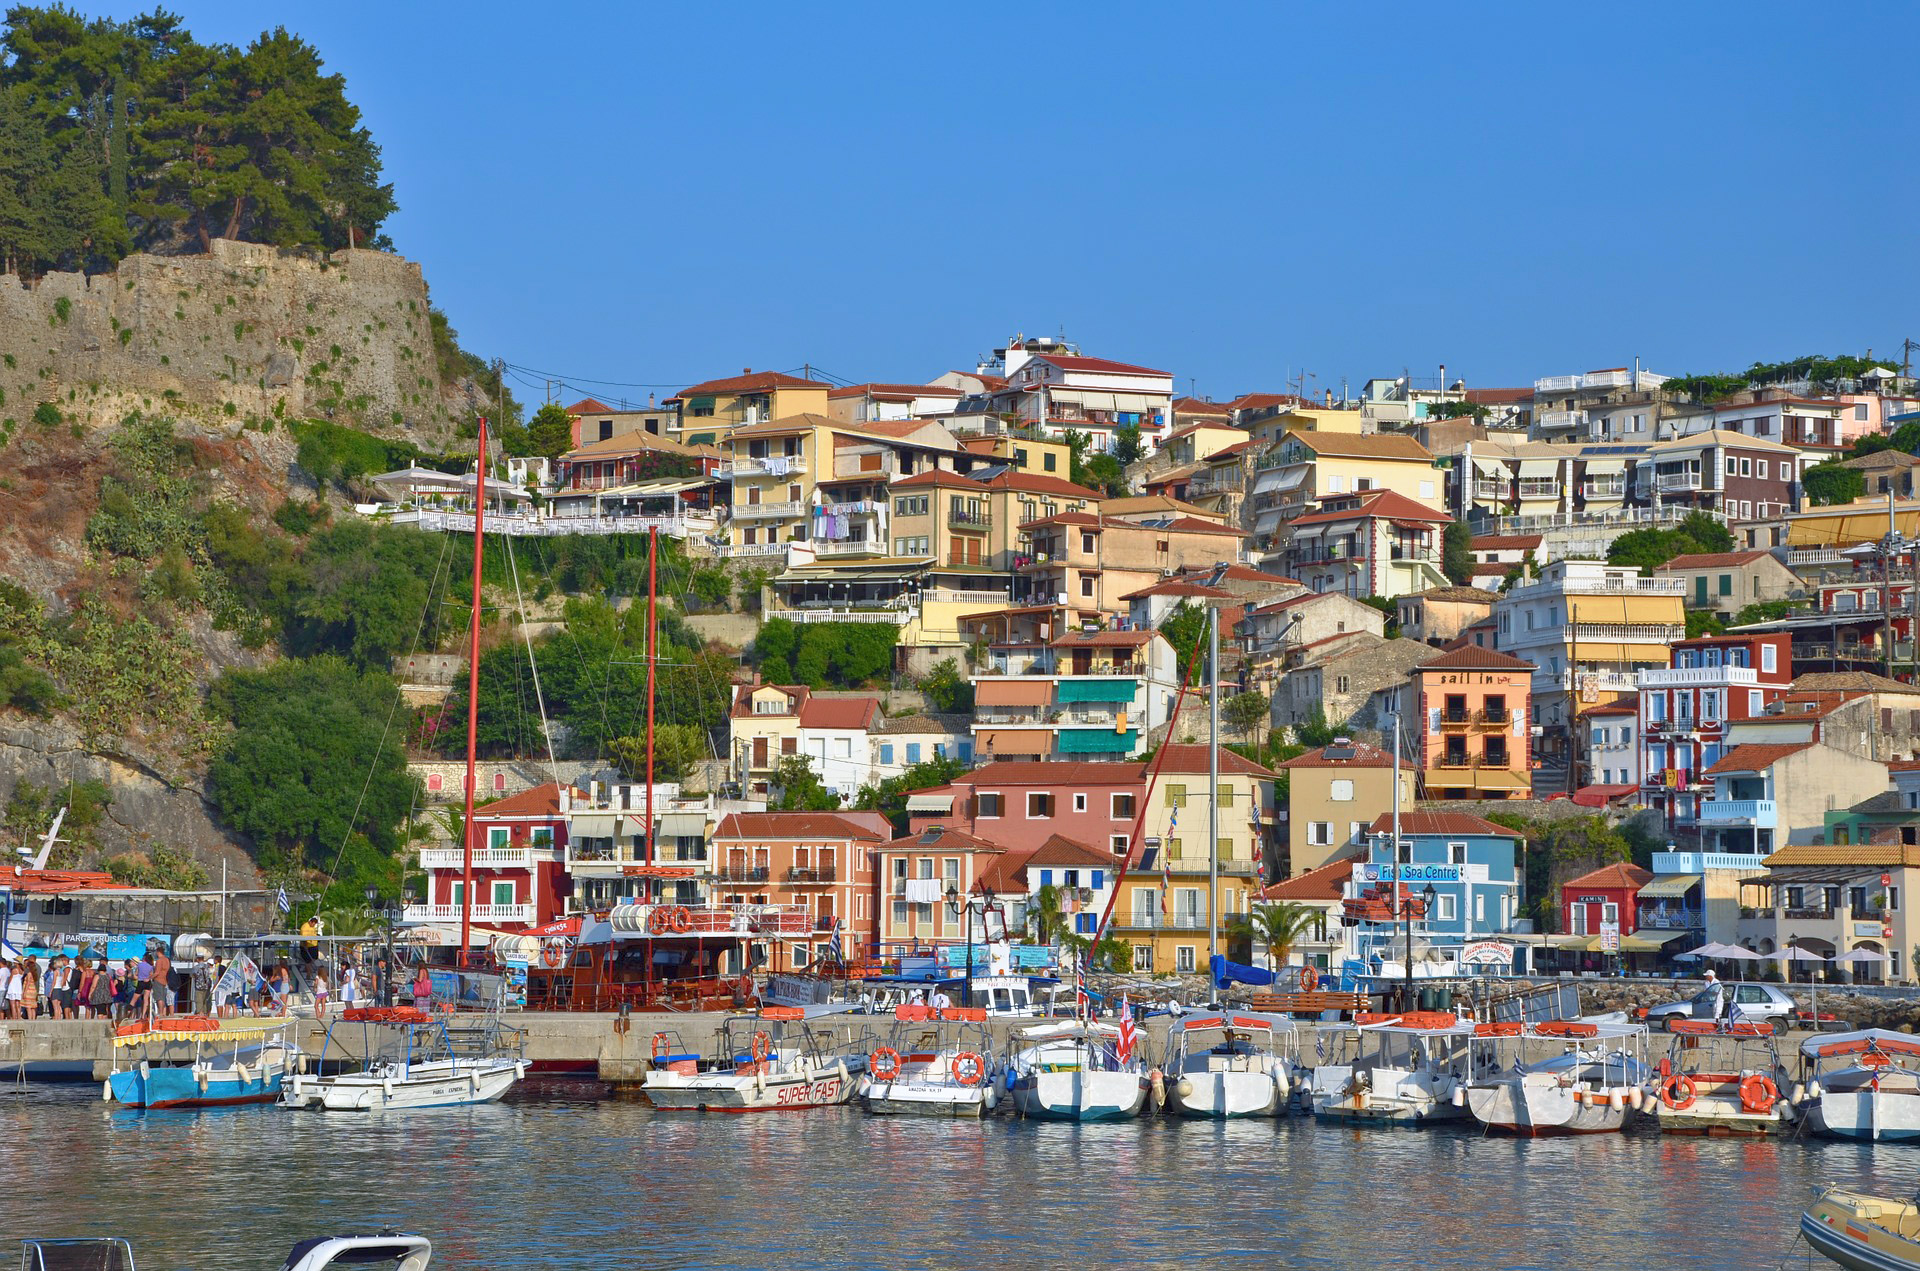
x=956, y=905
x=386, y=912
x=1427, y=895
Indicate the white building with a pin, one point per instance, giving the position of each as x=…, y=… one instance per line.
x=1613, y=743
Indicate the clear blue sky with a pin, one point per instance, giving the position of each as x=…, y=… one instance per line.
x=662, y=193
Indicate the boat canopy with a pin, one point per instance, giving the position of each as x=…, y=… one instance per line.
x=1244, y=1021
x=1837, y=1045
x=1062, y=1030
x=173, y=1029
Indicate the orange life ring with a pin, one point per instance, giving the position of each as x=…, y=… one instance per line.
x=1758, y=1093
x=884, y=1064
x=660, y=1047
x=657, y=919
x=762, y=1046
x=969, y=1068
x=1677, y=1092
x=1874, y=1059
x=553, y=957
x=681, y=919
x=1309, y=979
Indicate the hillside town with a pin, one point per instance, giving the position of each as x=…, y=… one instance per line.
x=1664, y=626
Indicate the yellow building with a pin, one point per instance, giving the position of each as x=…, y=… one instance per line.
x=1042, y=456
x=708, y=412
x=1176, y=827
x=1850, y=524
x=1306, y=466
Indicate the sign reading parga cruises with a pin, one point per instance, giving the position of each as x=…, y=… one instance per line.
x=1487, y=953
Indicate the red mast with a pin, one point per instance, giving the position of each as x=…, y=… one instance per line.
x=653, y=655
x=473, y=695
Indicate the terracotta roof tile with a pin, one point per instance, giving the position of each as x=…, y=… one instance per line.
x=1364, y=756
x=1628, y=876
x=1505, y=542
x=894, y=391
x=1356, y=446
x=1755, y=757
x=1179, y=587
x=1461, y=595
x=1712, y=560
x=743, y=703
x=868, y=827
x=1475, y=658
x=542, y=800
x=1384, y=503
x=839, y=712
x=1061, y=850
x=1439, y=823
x=749, y=382
x=1325, y=883
x=591, y=406
x=1067, y=362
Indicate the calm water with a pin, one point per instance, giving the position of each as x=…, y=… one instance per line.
x=570, y=1184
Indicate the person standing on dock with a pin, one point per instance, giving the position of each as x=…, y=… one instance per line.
x=161, y=980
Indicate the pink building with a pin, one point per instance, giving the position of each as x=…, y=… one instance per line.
x=520, y=878
x=1714, y=682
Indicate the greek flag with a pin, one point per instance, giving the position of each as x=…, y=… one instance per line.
x=1166, y=859
x=286, y=906
x=833, y=944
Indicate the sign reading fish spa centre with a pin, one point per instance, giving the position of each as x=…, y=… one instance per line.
x=1416, y=875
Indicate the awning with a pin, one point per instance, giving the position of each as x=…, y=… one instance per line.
x=1580, y=944
x=942, y=803
x=633, y=826
x=683, y=825
x=1539, y=467
x=1300, y=533
x=1114, y=690
x=1816, y=875
x=700, y=403
x=1650, y=941
x=857, y=574
x=1294, y=478
x=1100, y=741
x=1606, y=467
x=1001, y=742
x=592, y=826
x=1669, y=885
x=1499, y=779
x=991, y=692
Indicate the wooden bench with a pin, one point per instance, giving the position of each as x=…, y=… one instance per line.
x=1308, y=1003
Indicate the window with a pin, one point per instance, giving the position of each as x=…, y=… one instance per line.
x=1445, y=906
x=1726, y=584
x=1769, y=656
x=1755, y=703
x=1457, y=853
x=1479, y=907
x=434, y=783
x=990, y=804
x=1183, y=959
x=1176, y=795
x=1760, y=468
x=1657, y=708
x=843, y=748
x=1079, y=803
x=499, y=781
x=1143, y=957
x=1710, y=705
x=789, y=745
x=1086, y=542
x=1086, y=584
x=1733, y=466
x=1047, y=461
x=1426, y=489
x=1118, y=844
x=913, y=752
x=886, y=752
x=498, y=836
x=915, y=505
x=1320, y=833
x=503, y=893
x=1340, y=790
x=1122, y=807
x=1039, y=805
x=1340, y=684
x=1019, y=458
x=1336, y=485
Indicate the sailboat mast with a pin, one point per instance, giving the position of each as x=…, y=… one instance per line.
x=473, y=694
x=653, y=657
x=1213, y=784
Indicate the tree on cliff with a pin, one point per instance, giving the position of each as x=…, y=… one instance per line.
x=550, y=431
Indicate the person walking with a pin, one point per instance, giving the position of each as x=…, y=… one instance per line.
x=30, y=990
x=349, y=985
x=83, y=988
x=100, y=992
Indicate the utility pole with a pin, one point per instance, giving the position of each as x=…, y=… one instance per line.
x=1213, y=788
x=1887, y=548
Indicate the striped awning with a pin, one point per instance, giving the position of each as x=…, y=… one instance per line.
x=995, y=692
x=1097, y=741
x=930, y=803
x=1539, y=467
x=1650, y=941
x=1113, y=690
x=1670, y=885
x=1605, y=467
x=683, y=825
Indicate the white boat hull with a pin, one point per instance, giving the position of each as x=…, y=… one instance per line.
x=436, y=1085
x=1392, y=1097
x=1221, y=1095
x=1874, y=1116
x=1718, y=1116
x=1080, y=1095
x=787, y=1090
x=1535, y=1107
x=928, y=1098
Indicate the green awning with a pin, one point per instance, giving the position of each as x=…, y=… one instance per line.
x=1650, y=941
x=700, y=403
x=1114, y=690
x=1088, y=741
x=1669, y=885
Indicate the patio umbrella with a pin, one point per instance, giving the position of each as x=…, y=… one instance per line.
x=1853, y=957
x=1794, y=953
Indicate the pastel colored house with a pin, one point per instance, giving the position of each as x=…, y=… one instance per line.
x=1474, y=724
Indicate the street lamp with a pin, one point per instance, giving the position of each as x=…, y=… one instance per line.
x=1427, y=895
x=956, y=905
x=387, y=912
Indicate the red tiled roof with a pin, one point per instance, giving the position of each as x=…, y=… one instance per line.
x=590, y=406
x=940, y=837
x=1260, y=401
x=1040, y=483
x=1005, y=873
x=1103, y=639
x=1067, y=362
x=1505, y=542
x=1612, y=708
x=1198, y=406
x=1475, y=658
x=542, y=800
x=893, y=391
x=54, y=882
x=1755, y=757
x=1364, y=756
x=1240, y=574
x=1378, y=445
x=1383, y=503
x=1325, y=883
x=1061, y=850
x=1193, y=758
x=747, y=382
x=839, y=712
x=1439, y=823
x=1179, y=587
x=1630, y=877
x=1498, y=396
x=1712, y=560
x=867, y=826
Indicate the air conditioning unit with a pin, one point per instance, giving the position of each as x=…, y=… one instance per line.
x=1062, y=599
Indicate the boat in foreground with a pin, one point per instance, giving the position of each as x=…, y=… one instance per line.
x=1722, y=1079
x=778, y=1059
x=1863, y=1085
x=1863, y=1233
x=1074, y=1070
x=384, y=1251
x=1557, y=1077
x=936, y=1063
x=1395, y=1070
x=232, y=1062
x=1223, y=1066
x=417, y=1066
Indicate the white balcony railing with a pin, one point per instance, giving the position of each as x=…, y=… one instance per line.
x=898, y=617
x=1760, y=813
x=477, y=913
x=753, y=549
x=1483, y=488
x=849, y=547
x=1614, y=489
x=1817, y=556
x=1700, y=677
x=1552, y=420
x=1628, y=584
x=1539, y=488
x=785, y=509
x=483, y=858
x=1678, y=481
x=777, y=466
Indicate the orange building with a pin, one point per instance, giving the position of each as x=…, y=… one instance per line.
x=821, y=862
x=1475, y=724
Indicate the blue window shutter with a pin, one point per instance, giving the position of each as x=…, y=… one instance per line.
x=1098, y=874
x=913, y=752
x=966, y=752
x=1046, y=878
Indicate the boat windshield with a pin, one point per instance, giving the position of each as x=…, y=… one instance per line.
x=76, y=1255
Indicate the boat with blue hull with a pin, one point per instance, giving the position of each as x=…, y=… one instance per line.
x=227, y=1063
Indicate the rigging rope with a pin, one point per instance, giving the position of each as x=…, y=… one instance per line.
x=553, y=765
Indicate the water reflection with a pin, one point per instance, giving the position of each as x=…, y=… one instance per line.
x=563, y=1183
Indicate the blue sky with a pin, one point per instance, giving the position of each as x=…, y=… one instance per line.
x=1234, y=193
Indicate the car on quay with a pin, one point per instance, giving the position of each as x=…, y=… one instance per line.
x=1728, y=1001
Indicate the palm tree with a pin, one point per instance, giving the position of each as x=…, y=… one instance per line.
x=1045, y=918
x=1279, y=926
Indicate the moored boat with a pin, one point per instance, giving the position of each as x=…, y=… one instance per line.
x=1722, y=1079
x=775, y=1060
x=935, y=1063
x=1394, y=1070
x=1863, y=1233
x=1075, y=1070
x=1863, y=1085
x=1236, y=1065
x=385, y=1251
x=1556, y=1077
x=231, y=1062
x=416, y=1066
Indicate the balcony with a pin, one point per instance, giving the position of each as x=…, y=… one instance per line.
x=1455, y=720
x=849, y=547
x=1699, y=677
x=1630, y=632
x=1153, y=920
x=753, y=549
x=483, y=858
x=1398, y=552
x=1495, y=490
x=1494, y=717
x=1216, y=482
x=743, y=874
x=1759, y=813
x=476, y=913
x=816, y=874
x=1632, y=585
x=1815, y=914
x=785, y=510
x=1665, y=919
x=898, y=617
x=967, y=519
x=1539, y=488
x=1604, y=489
x=1557, y=420
x=1816, y=556
x=772, y=466
x=1666, y=481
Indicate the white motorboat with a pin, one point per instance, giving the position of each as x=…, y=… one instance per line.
x=1863, y=1085
x=416, y=1066
x=1396, y=1070
x=1557, y=1077
x=1722, y=1079
x=776, y=1060
x=1239, y=1065
x=384, y=1251
x=936, y=1063
x=1073, y=1070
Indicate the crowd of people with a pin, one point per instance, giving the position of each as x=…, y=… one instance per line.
x=66, y=986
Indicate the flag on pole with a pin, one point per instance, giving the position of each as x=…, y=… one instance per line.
x=1127, y=1035
x=833, y=944
x=1166, y=859
x=286, y=906
x=1082, y=1003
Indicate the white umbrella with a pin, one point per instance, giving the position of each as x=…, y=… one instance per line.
x=1735, y=953
x=1855, y=956
x=1794, y=953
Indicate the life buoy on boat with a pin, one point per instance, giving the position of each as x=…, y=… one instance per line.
x=553, y=957
x=1677, y=1092
x=884, y=1064
x=762, y=1046
x=657, y=919
x=968, y=1068
x=1874, y=1059
x=682, y=920
x=1309, y=979
x=660, y=1046
x=1758, y=1093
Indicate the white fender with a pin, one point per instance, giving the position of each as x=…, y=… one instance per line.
x=106, y=1092
x=992, y=1096
x=386, y=1087
x=1459, y=1096
x=1637, y=1097
x=864, y=1086
x=1783, y=1110
x=1281, y=1086
x=759, y=1080
x=1616, y=1101
x=519, y=1069
x=1813, y=1090
x=200, y=1079
x=240, y=1071
x=1799, y=1092
x=1184, y=1086
x=840, y=1071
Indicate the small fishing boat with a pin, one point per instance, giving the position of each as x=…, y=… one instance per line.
x=230, y=1062
x=1863, y=1085
x=1239, y=1065
x=1398, y=1070
x=936, y=1063
x=1556, y=1077
x=1074, y=1070
x=385, y=1251
x=775, y=1060
x=1722, y=1079
x=1863, y=1233
x=416, y=1064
